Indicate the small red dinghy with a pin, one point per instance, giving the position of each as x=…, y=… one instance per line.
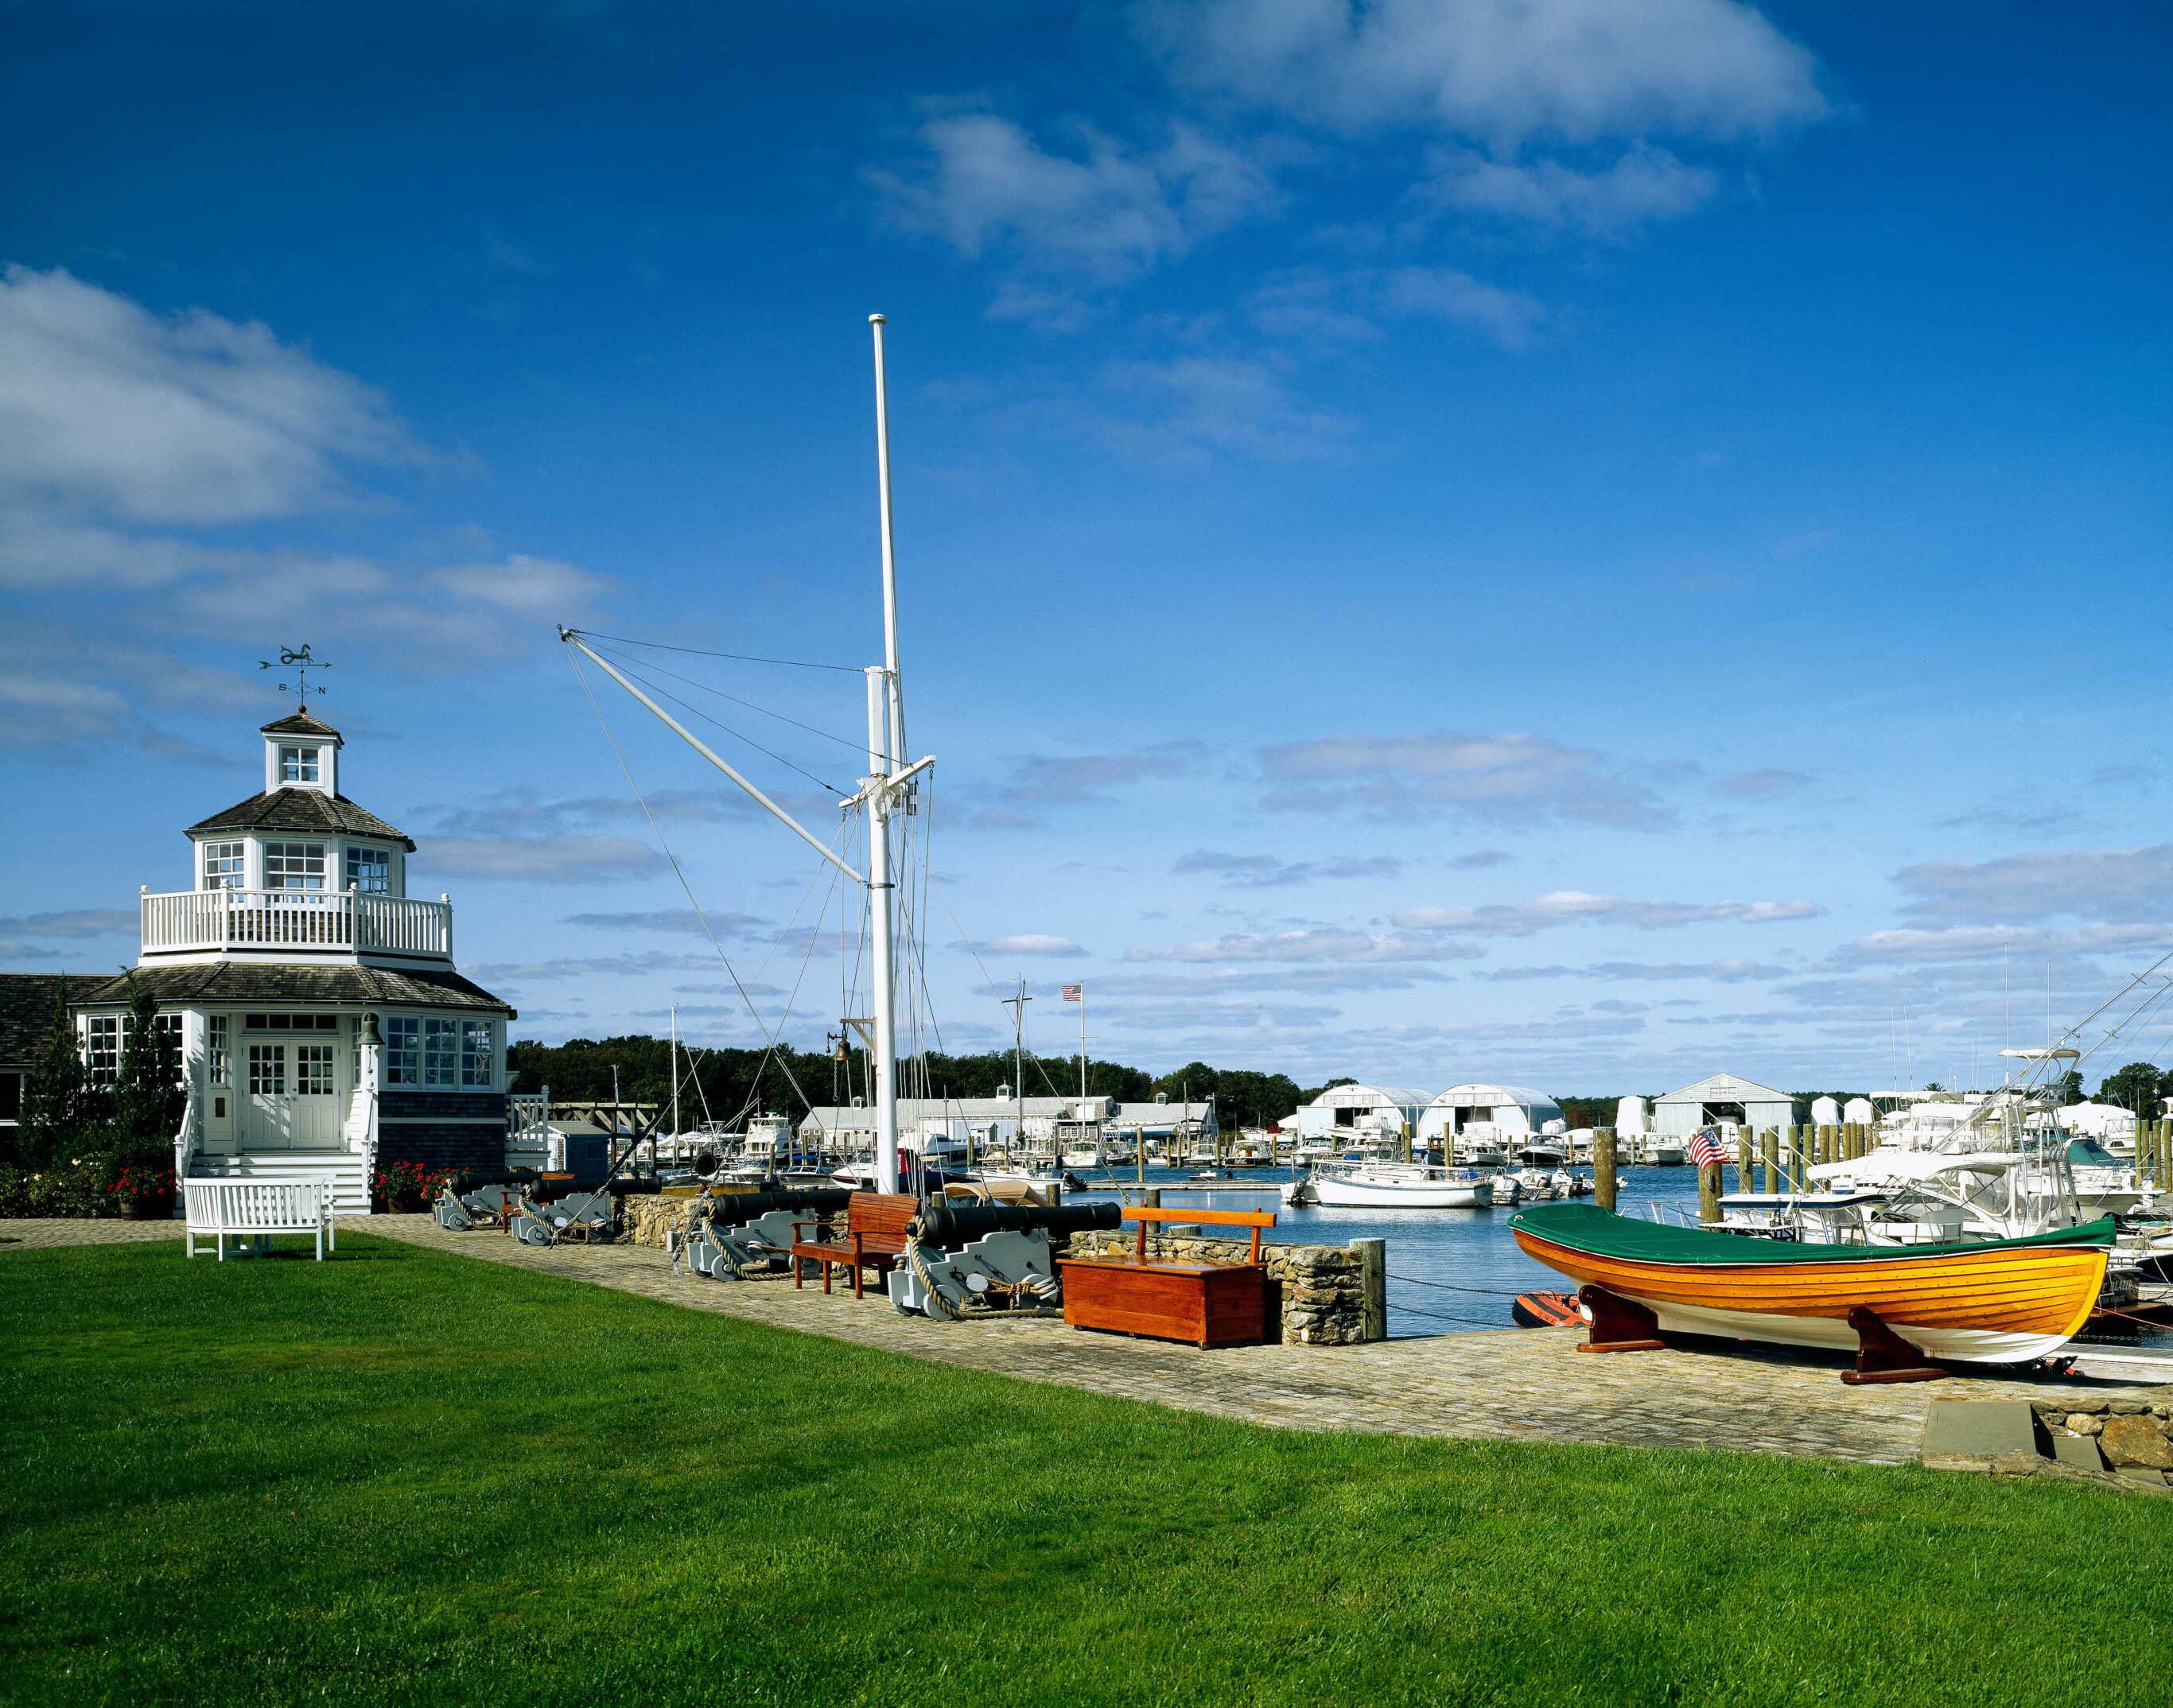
x=1547, y=1310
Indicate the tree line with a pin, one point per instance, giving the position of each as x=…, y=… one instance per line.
x=729, y=1085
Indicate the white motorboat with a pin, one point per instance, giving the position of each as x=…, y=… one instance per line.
x=1403, y=1186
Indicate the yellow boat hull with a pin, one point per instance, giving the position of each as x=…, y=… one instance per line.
x=1999, y=1306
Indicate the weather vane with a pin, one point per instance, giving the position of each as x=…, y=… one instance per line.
x=299, y=660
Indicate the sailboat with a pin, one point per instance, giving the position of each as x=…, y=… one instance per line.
x=886, y=792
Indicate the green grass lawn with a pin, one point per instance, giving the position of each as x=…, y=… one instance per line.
x=406, y=1477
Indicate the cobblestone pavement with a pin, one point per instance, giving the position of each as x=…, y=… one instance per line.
x=1526, y=1384
x=18, y=1233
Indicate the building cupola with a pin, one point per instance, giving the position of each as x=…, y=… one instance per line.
x=300, y=752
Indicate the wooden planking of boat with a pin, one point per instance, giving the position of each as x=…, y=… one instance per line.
x=1990, y=1301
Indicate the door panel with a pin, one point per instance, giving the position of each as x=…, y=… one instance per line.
x=266, y=1124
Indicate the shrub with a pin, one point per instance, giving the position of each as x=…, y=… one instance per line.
x=78, y=1188
x=405, y=1179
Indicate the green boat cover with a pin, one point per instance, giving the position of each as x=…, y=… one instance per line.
x=1586, y=1227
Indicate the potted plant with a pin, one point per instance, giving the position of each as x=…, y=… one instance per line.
x=145, y=1191
x=406, y=1188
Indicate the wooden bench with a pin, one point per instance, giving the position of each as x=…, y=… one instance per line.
x=257, y=1209
x=1208, y=1304
x=873, y=1238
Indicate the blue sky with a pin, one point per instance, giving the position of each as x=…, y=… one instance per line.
x=1575, y=541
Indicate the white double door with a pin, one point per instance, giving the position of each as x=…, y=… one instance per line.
x=292, y=1101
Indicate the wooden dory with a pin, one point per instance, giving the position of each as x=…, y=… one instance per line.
x=1993, y=1301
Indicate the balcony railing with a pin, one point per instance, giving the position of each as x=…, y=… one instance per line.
x=303, y=920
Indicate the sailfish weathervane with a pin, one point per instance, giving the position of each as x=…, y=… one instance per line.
x=298, y=659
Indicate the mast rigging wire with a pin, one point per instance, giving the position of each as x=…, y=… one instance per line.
x=699, y=652
x=678, y=872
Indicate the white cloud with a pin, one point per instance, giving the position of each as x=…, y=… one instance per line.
x=2103, y=883
x=1187, y=407
x=1642, y=186
x=1024, y=943
x=1313, y=306
x=1574, y=907
x=1506, y=777
x=1267, y=871
x=544, y=860
x=1313, y=943
x=74, y=923
x=107, y=408
x=1757, y=785
x=1095, y=218
x=721, y=923
x=1504, y=71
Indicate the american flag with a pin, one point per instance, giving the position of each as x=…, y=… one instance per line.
x=1706, y=1148
x=1075, y=992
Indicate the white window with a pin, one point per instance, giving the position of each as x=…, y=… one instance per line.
x=298, y=765
x=267, y=1070
x=474, y=1053
x=293, y=865
x=216, y=1037
x=370, y=869
x=103, y=1042
x=403, y=1051
x=222, y=868
x=440, y=1043
x=313, y=1070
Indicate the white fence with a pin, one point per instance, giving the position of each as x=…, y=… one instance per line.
x=192, y=919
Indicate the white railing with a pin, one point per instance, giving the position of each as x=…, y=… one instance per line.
x=199, y=920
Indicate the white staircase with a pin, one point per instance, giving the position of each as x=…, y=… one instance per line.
x=346, y=1170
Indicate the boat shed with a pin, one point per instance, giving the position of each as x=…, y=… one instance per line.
x=1502, y=1111
x=1722, y=1098
x=1340, y=1108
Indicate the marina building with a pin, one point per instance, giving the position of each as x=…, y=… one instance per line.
x=324, y=1029
x=1386, y=1111
x=1477, y=1116
x=1720, y=1098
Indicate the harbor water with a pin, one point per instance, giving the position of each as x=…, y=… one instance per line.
x=1450, y=1271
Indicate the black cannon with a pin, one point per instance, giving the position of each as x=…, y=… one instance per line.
x=981, y=1259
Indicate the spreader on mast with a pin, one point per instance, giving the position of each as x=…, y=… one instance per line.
x=885, y=790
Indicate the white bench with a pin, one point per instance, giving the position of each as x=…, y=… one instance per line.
x=253, y=1210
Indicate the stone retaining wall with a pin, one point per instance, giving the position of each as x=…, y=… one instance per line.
x=1317, y=1292
x=2135, y=1437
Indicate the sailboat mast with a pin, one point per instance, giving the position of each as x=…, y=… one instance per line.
x=675, y=1071
x=886, y=744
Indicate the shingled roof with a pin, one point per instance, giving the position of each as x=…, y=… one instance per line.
x=303, y=809
x=26, y=1009
x=238, y=981
x=300, y=723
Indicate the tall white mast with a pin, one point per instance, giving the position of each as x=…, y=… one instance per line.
x=888, y=786
x=675, y=1073
x=886, y=751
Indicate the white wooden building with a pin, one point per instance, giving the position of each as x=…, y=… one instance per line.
x=323, y=1025
x=1722, y=1098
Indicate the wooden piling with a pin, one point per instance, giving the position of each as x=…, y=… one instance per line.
x=1373, y=1257
x=1769, y=1155
x=1709, y=1195
x=1602, y=1167
x=1744, y=1139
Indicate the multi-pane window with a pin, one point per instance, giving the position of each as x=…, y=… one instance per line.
x=293, y=865
x=102, y=1045
x=223, y=866
x=474, y=1053
x=313, y=1070
x=292, y=1022
x=267, y=1070
x=216, y=1034
x=370, y=869
x=298, y=765
x=440, y=1045
x=403, y=1050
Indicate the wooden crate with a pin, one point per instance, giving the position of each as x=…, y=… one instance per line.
x=1207, y=1304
